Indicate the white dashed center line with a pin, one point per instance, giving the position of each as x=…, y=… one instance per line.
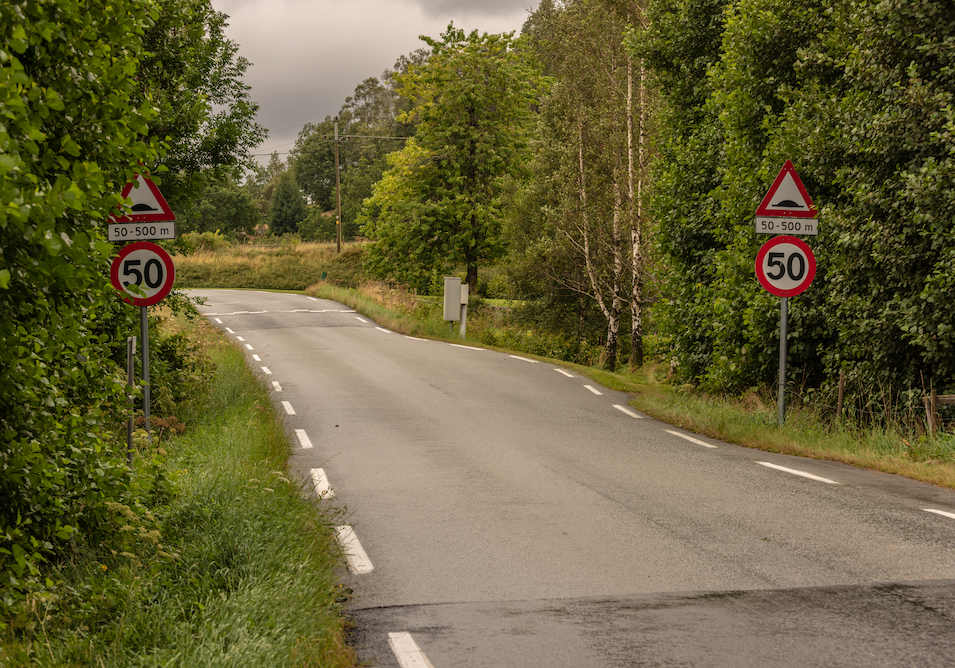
x=690, y=439
x=358, y=561
x=940, y=512
x=322, y=488
x=624, y=409
x=303, y=439
x=594, y=390
x=288, y=408
x=524, y=359
x=801, y=474
x=407, y=652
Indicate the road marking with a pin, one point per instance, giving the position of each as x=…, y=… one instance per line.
x=358, y=561
x=275, y=384
x=238, y=312
x=312, y=298
x=594, y=390
x=288, y=408
x=382, y=329
x=340, y=311
x=257, y=358
x=217, y=320
x=229, y=330
x=690, y=439
x=415, y=338
x=629, y=412
x=407, y=652
x=358, y=317
x=939, y=512
x=524, y=359
x=458, y=345
x=561, y=371
x=303, y=439
x=802, y=474
x=239, y=338
x=298, y=310
x=321, y=484
x=266, y=370
x=249, y=346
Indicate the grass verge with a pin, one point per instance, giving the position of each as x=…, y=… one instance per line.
x=237, y=570
x=894, y=448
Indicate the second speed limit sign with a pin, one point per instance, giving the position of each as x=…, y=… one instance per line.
x=785, y=266
x=147, y=267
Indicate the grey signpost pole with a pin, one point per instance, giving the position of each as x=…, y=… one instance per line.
x=144, y=325
x=783, y=317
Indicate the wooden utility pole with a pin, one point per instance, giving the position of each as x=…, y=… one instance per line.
x=338, y=193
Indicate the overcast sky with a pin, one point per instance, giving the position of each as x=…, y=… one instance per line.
x=308, y=55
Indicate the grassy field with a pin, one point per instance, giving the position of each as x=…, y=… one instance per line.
x=238, y=570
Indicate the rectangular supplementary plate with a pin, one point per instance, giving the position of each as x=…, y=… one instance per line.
x=806, y=227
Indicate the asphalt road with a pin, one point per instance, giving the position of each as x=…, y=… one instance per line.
x=503, y=512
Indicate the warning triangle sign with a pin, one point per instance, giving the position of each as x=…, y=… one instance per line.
x=148, y=203
x=787, y=197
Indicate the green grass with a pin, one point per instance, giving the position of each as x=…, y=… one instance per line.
x=238, y=570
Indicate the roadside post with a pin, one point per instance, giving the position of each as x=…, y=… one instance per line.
x=785, y=265
x=142, y=272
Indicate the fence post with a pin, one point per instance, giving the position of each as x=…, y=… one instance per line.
x=931, y=405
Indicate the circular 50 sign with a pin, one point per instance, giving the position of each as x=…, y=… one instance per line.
x=146, y=266
x=785, y=266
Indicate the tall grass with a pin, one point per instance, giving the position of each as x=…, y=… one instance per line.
x=238, y=570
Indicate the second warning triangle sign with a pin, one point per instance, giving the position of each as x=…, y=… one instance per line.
x=787, y=197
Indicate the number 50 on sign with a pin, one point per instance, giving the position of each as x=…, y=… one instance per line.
x=146, y=266
x=785, y=266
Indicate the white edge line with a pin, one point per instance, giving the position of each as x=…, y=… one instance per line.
x=939, y=512
x=360, y=318
x=288, y=408
x=275, y=384
x=801, y=474
x=312, y=298
x=256, y=358
x=303, y=439
x=594, y=390
x=691, y=439
x=265, y=369
x=565, y=373
x=627, y=411
x=217, y=320
x=407, y=652
x=229, y=330
x=415, y=338
x=321, y=484
x=524, y=359
x=249, y=346
x=239, y=338
x=382, y=329
x=358, y=561
x=458, y=345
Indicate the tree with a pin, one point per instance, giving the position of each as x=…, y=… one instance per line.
x=473, y=102
x=222, y=205
x=288, y=206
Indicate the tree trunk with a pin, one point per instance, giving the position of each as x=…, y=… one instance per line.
x=636, y=228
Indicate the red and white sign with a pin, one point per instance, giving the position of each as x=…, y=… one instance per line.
x=785, y=266
x=787, y=197
x=148, y=204
x=147, y=266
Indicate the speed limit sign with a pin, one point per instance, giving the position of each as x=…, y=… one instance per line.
x=785, y=266
x=147, y=266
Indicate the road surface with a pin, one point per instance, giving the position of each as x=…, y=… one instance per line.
x=499, y=511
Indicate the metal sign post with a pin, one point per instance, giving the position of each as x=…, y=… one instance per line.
x=783, y=334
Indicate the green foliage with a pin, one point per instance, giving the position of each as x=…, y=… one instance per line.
x=288, y=207
x=859, y=95
x=222, y=205
x=441, y=202
x=317, y=225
